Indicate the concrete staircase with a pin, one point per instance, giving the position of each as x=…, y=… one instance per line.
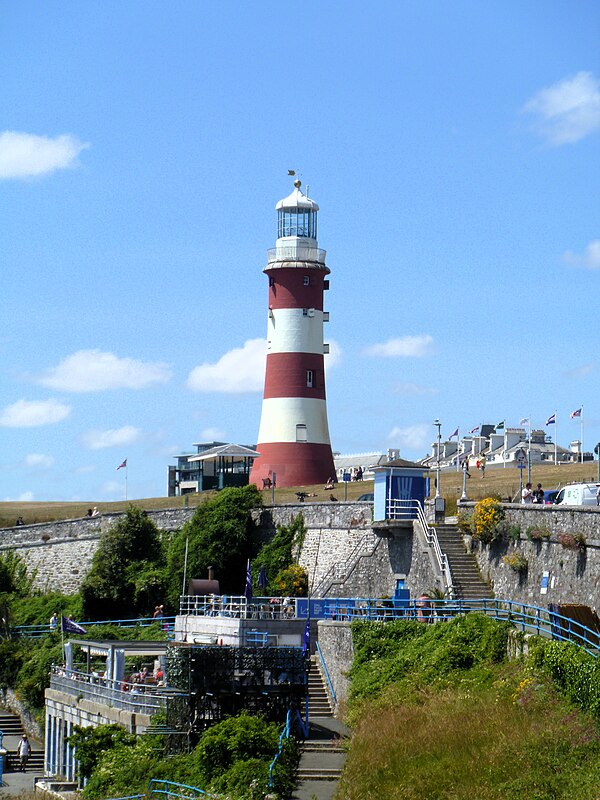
x=323, y=752
x=466, y=577
x=11, y=727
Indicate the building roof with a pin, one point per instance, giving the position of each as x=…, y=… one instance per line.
x=225, y=451
x=297, y=200
x=401, y=463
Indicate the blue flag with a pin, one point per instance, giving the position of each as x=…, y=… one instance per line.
x=306, y=638
x=248, y=587
x=69, y=626
x=263, y=581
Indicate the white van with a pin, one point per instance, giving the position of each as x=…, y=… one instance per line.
x=577, y=494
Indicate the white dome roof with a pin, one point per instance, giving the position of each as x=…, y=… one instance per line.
x=297, y=200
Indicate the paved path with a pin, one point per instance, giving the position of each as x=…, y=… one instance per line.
x=16, y=783
x=322, y=755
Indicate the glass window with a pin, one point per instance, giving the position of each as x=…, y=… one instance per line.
x=309, y=378
x=307, y=280
x=301, y=434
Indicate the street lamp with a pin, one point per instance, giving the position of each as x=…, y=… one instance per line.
x=438, y=425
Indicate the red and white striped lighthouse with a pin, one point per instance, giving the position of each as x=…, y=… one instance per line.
x=293, y=440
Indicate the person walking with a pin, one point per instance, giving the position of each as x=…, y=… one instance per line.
x=23, y=751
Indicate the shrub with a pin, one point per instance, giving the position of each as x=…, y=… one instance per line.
x=277, y=557
x=465, y=522
x=572, y=541
x=507, y=532
x=486, y=516
x=535, y=534
x=516, y=561
x=292, y=581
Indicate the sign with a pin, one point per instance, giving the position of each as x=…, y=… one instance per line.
x=544, y=586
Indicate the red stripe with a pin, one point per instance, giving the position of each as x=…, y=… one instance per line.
x=286, y=375
x=296, y=464
x=288, y=289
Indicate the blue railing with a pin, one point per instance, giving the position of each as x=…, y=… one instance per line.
x=168, y=789
x=36, y=631
x=326, y=673
x=527, y=618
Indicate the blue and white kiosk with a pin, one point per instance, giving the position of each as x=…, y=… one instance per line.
x=400, y=487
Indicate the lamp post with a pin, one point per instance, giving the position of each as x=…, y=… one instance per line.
x=438, y=425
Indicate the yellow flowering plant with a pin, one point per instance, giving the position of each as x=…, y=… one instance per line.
x=488, y=513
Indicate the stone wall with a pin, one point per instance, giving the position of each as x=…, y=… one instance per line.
x=573, y=575
x=337, y=648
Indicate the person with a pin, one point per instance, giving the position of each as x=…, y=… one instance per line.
x=95, y=512
x=527, y=495
x=466, y=467
x=359, y=474
x=19, y=521
x=23, y=751
x=538, y=494
x=482, y=465
x=90, y=513
x=329, y=484
x=598, y=494
x=53, y=621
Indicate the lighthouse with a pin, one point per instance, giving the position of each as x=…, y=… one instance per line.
x=293, y=439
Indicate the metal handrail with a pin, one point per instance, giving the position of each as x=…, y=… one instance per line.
x=534, y=619
x=365, y=546
x=158, y=788
x=413, y=509
x=35, y=631
x=326, y=673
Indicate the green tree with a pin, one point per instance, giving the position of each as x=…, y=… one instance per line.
x=127, y=574
x=277, y=560
x=93, y=743
x=219, y=535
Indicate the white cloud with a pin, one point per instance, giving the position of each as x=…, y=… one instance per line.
x=415, y=346
x=239, y=371
x=99, y=440
x=413, y=389
x=33, y=413
x=38, y=461
x=568, y=110
x=414, y=437
x=581, y=372
x=25, y=155
x=95, y=371
x=26, y=497
x=86, y=469
x=590, y=258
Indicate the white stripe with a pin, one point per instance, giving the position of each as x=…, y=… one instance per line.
x=280, y=415
x=289, y=331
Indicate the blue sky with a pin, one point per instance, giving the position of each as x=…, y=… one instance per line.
x=453, y=149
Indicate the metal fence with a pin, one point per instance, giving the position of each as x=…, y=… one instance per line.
x=37, y=631
x=168, y=789
x=237, y=606
x=527, y=618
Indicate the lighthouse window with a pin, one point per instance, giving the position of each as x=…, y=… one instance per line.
x=307, y=280
x=301, y=434
x=309, y=378
x=305, y=312
x=297, y=222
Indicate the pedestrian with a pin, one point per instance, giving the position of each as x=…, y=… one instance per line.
x=482, y=468
x=53, y=621
x=598, y=494
x=527, y=495
x=466, y=467
x=23, y=751
x=158, y=612
x=538, y=494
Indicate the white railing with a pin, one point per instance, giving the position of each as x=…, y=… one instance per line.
x=296, y=252
x=237, y=606
x=412, y=509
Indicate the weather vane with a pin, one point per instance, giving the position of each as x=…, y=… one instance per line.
x=297, y=182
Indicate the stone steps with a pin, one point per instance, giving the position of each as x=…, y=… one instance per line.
x=466, y=577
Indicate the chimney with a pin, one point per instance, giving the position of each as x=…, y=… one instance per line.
x=211, y=573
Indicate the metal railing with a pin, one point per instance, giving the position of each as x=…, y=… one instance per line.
x=158, y=788
x=296, y=252
x=37, y=631
x=364, y=548
x=326, y=673
x=134, y=697
x=412, y=509
x=236, y=606
x=527, y=618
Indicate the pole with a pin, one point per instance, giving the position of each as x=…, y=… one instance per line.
x=555, y=440
x=529, y=452
x=187, y=541
x=126, y=468
x=582, y=434
x=438, y=425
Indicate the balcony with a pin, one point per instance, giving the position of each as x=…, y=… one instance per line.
x=296, y=252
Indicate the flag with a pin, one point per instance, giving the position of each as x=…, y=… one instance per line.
x=576, y=413
x=454, y=434
x=551, y=420
x=475, y=429
x=124, y=464
x=306, y=638
x=68, y=626
x=248, y=586
x=524, y=420
x=500, y=425
x=291, y=172
x=263, y=581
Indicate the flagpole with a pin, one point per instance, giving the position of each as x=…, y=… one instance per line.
x=582, y=434
x=457, y=447
x=126, y=468
x=555, y=439
x=529, y=452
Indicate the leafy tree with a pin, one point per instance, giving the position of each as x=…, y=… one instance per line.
x=277, y=560
x=220, y=534
x=126, y=578
x=93, y=743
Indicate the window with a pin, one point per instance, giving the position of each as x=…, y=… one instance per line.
x=301, y=433
x=307, y=280
x=305, y=312
x=271, y=281
x=310, y=378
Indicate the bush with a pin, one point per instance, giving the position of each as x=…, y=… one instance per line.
x=572, y=541
x=487, y=515
x=535, y=534
x=292, y=581
x=517, y=562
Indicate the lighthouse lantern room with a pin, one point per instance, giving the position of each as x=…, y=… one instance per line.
x=293, y=440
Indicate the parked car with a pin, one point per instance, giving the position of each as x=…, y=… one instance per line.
x=550, y=496
x=367, y=498
x=577, y=494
